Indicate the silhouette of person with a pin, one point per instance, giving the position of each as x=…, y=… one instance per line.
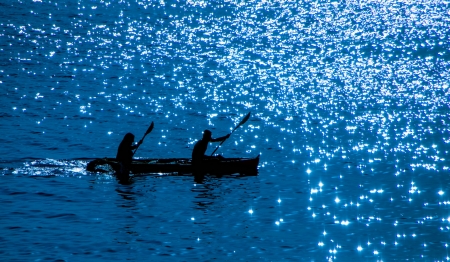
x=125, y=155
x=198, y=153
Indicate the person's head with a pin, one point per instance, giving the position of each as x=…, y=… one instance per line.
x=128, y=138
x=207, y=134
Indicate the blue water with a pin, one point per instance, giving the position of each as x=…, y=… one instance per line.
x=350, y=114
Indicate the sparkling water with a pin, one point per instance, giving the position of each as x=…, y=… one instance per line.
x=349, y=107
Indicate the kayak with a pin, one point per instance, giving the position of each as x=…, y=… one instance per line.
x=214, y=165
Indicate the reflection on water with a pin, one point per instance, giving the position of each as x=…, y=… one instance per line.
x=206, y=194
x=127, y=194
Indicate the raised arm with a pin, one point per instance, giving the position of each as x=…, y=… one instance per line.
x=220, y=138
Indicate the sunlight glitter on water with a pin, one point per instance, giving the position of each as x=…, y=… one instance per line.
x=353, y=94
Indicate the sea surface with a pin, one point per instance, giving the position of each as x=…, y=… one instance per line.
x=349, y=105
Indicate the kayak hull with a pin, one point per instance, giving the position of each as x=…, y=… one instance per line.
x=216, y=166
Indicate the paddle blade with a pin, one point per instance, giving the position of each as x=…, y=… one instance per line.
x=243, y=121
x=150, y=128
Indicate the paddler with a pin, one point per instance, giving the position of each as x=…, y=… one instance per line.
x=198, y=153
x=125, y=155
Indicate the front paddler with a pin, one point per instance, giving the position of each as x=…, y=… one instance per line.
x=125, y=156
x=125, y=153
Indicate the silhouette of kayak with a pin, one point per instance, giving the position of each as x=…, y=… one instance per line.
x=213, y=165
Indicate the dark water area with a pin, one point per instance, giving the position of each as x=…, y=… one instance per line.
x=349, y=107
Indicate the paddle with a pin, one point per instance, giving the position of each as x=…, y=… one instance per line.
x=150, y=128
x=240, y=124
